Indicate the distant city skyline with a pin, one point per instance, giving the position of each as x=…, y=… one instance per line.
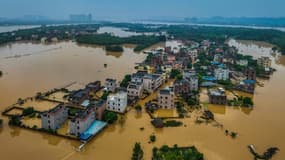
x=147, y=9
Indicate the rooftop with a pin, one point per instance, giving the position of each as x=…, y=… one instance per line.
x=134, y=85
x=94, y=129
x=83, y=114
x=152, y=76
x=217, y=92
x=110, y=80
x=79, y=94
x=55, y=109
x=166, y=91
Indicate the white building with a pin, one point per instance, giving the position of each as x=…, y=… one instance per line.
x=166, y=99
x=152, y=82
x=110, y=85
x=135, y=90
x=54, y=118
x=242, y=62
x=117, y=102
x=193, y=54
x=222, y=74
x=264, y=62
x=218, y=58
x=194, y=83
x=81, y=122
x=190, y=75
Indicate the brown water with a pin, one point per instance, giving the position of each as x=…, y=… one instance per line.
x=263, y=126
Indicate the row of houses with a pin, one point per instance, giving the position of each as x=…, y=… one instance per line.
x=88, y=111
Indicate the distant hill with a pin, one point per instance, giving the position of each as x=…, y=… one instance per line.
x=260, y=21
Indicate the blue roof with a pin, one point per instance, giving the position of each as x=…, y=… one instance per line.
x=247, y=81
x=208, y=78
x=94, y=128
x=221, y=65
x=215, y=63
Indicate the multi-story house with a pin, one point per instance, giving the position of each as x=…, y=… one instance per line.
x=54, y=118
x=99, y=108
x=186, y=85
x=222, y=74
x=166, y=99
x=250, y=74
x=152, y=82
x=135, y=90
x=138, y=77
x=117, y=102
x=193, y=54
x=264, y=62
x=81, y=122
x=217, y=96
x=111, y=85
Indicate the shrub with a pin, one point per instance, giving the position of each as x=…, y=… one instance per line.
x=28, y=111
x=152, y=138
x=15, y=120
x=173, y=123
x=137, y=152
x=110, y=117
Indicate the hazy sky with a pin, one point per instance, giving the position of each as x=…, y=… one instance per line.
x=142, y=9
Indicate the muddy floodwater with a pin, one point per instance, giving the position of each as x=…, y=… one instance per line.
x=29, y=68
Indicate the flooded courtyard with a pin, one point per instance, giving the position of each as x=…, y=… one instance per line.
x=44, y=67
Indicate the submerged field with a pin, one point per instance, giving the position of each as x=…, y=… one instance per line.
x=263, y=126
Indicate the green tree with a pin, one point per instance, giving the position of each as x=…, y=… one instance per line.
x=247, y=101
x=110, y=117
x=28, y=111
x=125, y=81
x=174, y=73
x=152, y=138
x=138, y=108
x=137, y=152
x=15, y=120
x=105, y=95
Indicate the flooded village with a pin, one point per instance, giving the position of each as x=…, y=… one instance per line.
x=56, y=97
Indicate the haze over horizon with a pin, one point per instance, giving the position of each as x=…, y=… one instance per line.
x=147, y=9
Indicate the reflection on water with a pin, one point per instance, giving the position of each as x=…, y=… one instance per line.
x=15, y=132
